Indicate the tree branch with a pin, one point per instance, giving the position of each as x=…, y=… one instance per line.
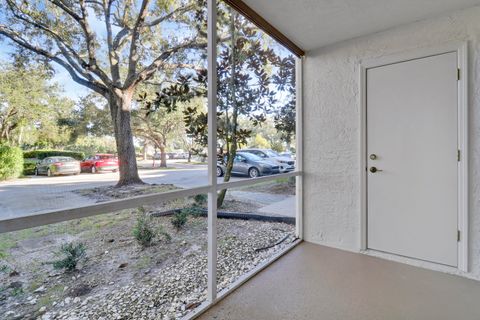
x=66, y=8
x=98, y=3
x=73, y=63
x=117, y=41
x=89, y=36
x=159, y=20
x=112, y=54
x=148, y=71
x=15, y=37
x=133, y=57
x=67, y=51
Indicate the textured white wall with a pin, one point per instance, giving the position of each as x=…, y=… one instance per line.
x=331, y=127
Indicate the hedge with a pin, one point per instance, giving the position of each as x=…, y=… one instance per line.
x=42, y=154
x=11, y=162
x=29, y=167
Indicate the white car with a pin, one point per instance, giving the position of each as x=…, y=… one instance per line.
x=158, y=156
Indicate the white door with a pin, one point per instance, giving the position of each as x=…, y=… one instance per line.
x=412, y=142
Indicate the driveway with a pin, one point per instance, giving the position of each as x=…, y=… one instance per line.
x=33, y=195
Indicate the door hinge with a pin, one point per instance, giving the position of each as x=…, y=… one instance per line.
x=458, y=155
x=458, y=235
x=458, y=73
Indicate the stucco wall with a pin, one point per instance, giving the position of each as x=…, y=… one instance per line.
x=331, y=127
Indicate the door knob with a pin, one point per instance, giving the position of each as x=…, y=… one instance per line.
x=374, y=169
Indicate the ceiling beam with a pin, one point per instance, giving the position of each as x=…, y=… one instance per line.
x=263, y=24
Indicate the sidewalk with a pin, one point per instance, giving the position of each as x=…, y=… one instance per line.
x=272, y=204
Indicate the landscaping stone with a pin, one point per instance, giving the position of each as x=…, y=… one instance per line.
x=122, y=280
x=40, y=290
x=181, y=287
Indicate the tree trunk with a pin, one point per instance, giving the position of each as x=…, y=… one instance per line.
x=189, y=156
x=20, y=136
x=163, y=157
x=228, y=170
x=145, y=145
x=120, y=107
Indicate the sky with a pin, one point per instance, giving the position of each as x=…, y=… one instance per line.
x=71, y=89
x=62, y=77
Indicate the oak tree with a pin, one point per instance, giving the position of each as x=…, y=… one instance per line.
x=110, y=47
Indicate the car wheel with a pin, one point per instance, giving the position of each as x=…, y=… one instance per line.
x=49, y=173
x=94, y=169
x=219, y=172
x=253, y=173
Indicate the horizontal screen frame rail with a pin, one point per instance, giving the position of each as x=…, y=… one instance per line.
x=57, y=216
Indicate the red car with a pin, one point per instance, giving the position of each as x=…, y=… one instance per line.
x=100, y=163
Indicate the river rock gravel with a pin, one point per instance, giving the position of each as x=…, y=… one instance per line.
x=177, y=289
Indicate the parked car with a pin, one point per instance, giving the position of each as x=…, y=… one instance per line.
x=158, y=156
x=183, y=155
x=285, y=164
x=250, y=165
x=177, y=155
x=54, y=166
x=100, y=163
x=287, y=154
x=171, y=155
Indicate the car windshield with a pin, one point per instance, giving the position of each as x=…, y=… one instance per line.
x=271, y=153
x=250, y=156
x=106, y=156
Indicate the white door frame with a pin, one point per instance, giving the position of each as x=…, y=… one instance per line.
x=461, y=48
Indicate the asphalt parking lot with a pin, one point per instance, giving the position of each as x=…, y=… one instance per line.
x=36, y=194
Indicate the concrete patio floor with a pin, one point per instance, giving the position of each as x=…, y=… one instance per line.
x=316, y=282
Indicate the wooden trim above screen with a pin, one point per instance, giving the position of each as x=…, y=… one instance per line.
x=263, y=24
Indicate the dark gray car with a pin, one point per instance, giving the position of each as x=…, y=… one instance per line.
x=53, y=166
x=248, y=164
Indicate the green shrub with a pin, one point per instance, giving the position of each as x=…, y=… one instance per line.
x=165, y=234
x=5, y=269
x=29, y=167
x=194, y=211
x=17, y=292
x=179, y=219
x=200, y=199
x=71, y=254
x=90, y=145
x=42, y=154
x=143, y=229
x=11, y=162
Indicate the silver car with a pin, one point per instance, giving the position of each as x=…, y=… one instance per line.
x=248, y=164
x=53, y=166
x=285, y=164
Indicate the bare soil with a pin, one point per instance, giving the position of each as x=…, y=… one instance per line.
x=108, y=193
